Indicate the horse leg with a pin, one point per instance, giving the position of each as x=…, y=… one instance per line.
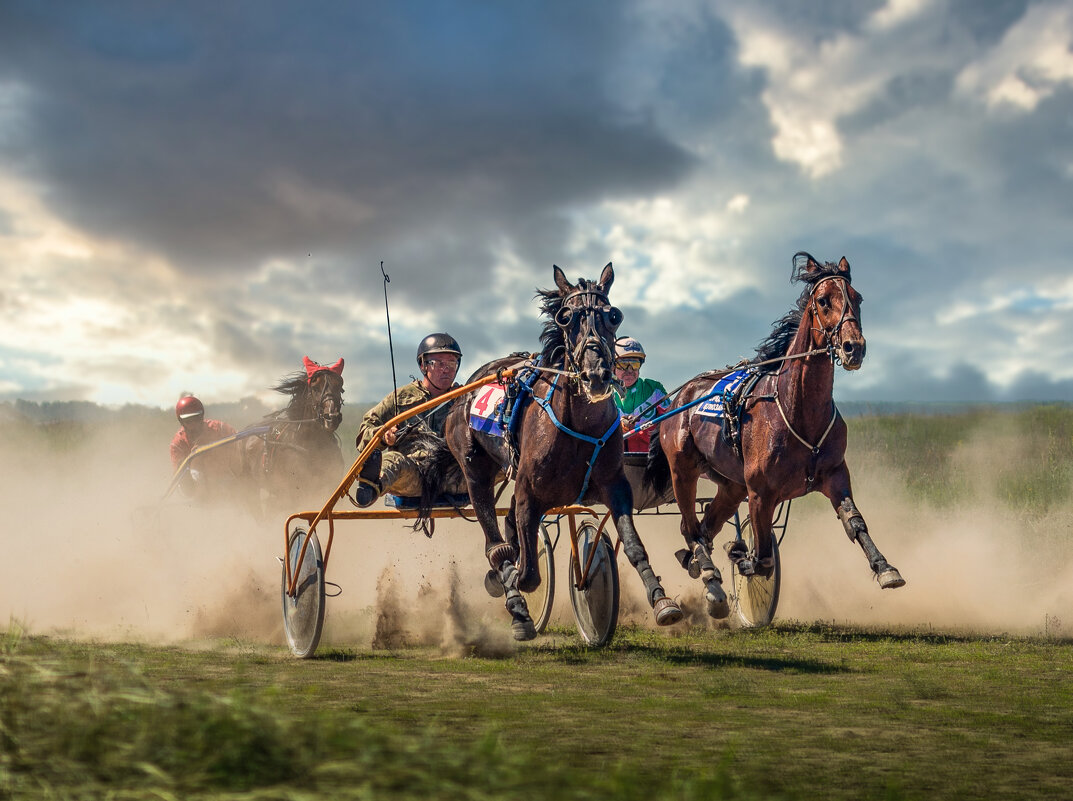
x=523, y=523
x=837, y=489
x=502, y=555
x=761, y=514
x=697, y=557
x=665, y=609
x=718, y=512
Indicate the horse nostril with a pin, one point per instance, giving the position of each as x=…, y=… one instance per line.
x=848, y=348
x=605, y=375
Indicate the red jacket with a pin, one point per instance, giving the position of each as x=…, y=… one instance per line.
x=181, y=444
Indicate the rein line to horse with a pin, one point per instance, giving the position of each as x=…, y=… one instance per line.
x=648, y=407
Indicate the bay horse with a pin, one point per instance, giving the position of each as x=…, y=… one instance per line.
x=300, y=453
x=567, y=446
x=791, y=439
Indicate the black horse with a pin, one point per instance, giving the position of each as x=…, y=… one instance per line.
x=300, y=453
x=564, y=445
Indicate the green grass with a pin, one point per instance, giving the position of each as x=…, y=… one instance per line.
x=794, y=711
x=1026, y=453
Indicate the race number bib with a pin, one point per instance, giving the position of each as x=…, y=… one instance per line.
x=483, y=412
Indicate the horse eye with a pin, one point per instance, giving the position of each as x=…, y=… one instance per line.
x=613, y=315
x=564, y=316
x=824, y=302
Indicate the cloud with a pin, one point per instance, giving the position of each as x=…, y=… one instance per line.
x=1033, y=61
x=194, y=199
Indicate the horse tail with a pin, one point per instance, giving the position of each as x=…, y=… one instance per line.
x=657, y=468
x=438, y=471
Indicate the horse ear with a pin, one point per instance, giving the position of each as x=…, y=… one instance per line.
x=607, y=277
x=310, y=366
x=337, y=368
x=565, y=287
x=843, y=266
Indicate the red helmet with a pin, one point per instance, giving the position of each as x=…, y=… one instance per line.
x=189, y=407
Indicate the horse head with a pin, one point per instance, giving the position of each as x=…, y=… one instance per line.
x=584, y=327
x=325, y=385
x=835, y=310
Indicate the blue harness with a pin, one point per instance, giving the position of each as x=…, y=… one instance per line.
x=508, y=421
x=545, y=404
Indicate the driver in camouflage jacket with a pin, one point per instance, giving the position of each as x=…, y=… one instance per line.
x=393, y=468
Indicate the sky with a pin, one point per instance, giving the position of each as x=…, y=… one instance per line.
x=194, y=196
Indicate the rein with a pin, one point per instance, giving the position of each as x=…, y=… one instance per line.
x=829, y=349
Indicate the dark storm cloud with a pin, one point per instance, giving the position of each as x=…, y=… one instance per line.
x=184, y=127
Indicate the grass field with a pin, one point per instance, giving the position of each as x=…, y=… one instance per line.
x=794, y=711
x=937, y=695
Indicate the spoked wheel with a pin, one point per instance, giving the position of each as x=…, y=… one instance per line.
x=303, y=615
x=596, y=603
x=540, y=600
x=756, y=596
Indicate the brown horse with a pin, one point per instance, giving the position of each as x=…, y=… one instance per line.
x=299, y=456
x=566, y=444
x=791, y=439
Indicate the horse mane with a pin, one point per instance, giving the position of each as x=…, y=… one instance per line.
x=784, y=329
x=297, y=386
x=552, y=341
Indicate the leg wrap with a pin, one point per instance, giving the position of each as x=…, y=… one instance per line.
x=708, y=570
x=852, y=520
x=508, y=575
x=651, y=581
x=500, y=553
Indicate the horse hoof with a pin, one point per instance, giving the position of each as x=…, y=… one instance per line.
x=493, y=585
x=718, y=607
x=667, y=612
x=523, y=630
x=891, y=579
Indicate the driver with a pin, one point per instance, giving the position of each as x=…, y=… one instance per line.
x=394, y=468
x=194, y=430
x=637, y=398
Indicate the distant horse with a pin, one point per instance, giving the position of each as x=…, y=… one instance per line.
x=566, y=443
x=300, y=453
x=789, y=439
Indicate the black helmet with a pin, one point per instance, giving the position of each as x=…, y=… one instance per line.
x=437, y=343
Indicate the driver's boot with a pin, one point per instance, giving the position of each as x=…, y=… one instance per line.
x=369, y=486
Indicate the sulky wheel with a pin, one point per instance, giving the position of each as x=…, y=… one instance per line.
x=303, y=615
x=540, y=600
x=596, y=603
x=756, y=596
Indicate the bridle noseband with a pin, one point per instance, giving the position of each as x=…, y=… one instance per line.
x=323, y=415
x=594, y=307
x=834, y=332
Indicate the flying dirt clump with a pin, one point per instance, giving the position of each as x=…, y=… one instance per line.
x=438, y=617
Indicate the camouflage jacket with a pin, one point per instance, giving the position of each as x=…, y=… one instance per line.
x=409, y=396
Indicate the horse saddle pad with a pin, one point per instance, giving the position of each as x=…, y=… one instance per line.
x=485, y=412
x=725, y=387
x=449, y=500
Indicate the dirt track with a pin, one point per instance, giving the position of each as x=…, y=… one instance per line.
x=89, y=553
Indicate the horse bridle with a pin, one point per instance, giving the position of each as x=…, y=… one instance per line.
x=847, y=316
x=321, y=415
x=588, y=335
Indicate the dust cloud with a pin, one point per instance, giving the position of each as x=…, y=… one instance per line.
x=91, y=552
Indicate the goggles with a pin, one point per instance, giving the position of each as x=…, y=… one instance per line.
x=442, y=364
x=628, y=364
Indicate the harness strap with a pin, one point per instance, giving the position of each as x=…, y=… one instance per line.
x=814, y=448
x=545, y=404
